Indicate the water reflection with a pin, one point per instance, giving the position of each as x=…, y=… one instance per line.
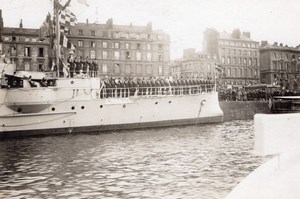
x=186, y=162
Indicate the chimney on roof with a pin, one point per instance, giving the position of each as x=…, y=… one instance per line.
x=109, y=23
x=87, y=21
x=275, y=44
x=236, y=33
x=247, y=34
x=281, y=45
x=264, y=43
x=149, y=27
x=21, y=24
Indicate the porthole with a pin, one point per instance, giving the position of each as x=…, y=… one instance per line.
x=19, y=110
x=170, y=102
x=101, y=106
x=53, y=109
x=72, y=82
x=82, y=107
x=73, y=108
x=156, y=102
x=124, y=106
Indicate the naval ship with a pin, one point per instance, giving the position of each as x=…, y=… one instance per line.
x=84, y=104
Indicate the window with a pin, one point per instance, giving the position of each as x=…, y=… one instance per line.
x=234, y=60
x=127, y=54
x=249, y=53
x=13, y=39
x=228, y=60
x=116, y=55
x=116, y=34
x=104, y=69
x=80, y=32
x=41, y=52
x=27, y=65
x=149, y=56
x=160, y=57
x=133, y=35
x=127, y=46
x=138, y=56
x=105, y=34
x=93, y=44
x=117, y=69
x=240, y=52
x=245, y=72
x=138, y=45
x=148, y=46
x=245, y=61
x=93, y=54
x=116, y=45
x=104, y=44
x=104, y=54
x=234, y=72
x=250, y=62
x=240, y=72
x=228, y=72
x=80, y=43
x=27, y=51
x=93, y=33
x=160, y=70
x=223, y=60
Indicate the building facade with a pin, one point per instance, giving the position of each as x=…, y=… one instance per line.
x=195, y=65
x=122, y=50
x=238, y=55
x=24, y=47
x=280, y=65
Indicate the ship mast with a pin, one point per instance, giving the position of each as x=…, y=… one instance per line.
x=56, y=13
x=57, y=10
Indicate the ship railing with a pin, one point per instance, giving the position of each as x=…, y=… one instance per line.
x=126, y=92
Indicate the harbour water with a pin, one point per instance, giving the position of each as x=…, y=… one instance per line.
x=179, y=162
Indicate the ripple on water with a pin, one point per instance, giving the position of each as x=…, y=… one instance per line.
x=181, y=162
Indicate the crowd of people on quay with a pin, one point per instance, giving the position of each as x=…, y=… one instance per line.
x=243, y=94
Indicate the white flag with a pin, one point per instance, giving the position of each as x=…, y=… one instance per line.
x=83, y=2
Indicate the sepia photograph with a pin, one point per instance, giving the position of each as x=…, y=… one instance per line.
x=161, y=99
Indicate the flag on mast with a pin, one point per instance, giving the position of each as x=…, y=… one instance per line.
x=218, y=68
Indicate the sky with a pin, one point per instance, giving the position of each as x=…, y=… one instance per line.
x=184, y=20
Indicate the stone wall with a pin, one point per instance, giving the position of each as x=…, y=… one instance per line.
x=240, y=110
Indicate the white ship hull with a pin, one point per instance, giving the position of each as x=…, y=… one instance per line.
x=75, y=105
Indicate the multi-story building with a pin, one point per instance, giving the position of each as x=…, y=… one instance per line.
x=280, y=65
x=122, y=50
x=237, y=53
x=195, y=65
x=24, y=47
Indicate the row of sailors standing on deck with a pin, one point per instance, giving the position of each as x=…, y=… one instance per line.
x=78, y=68
x=119, y=87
